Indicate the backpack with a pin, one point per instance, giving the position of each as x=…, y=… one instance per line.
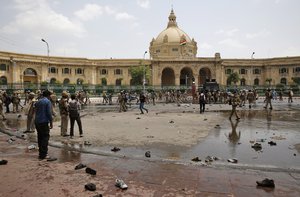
x=73, y=110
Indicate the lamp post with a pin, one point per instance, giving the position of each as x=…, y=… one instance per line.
x=252, y=73
x=144, y=74
x=43, y=40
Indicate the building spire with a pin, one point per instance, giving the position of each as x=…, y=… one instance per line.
x=172, y=19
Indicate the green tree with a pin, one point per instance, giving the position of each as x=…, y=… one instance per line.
x=233, y=78
x=296, y=80
x=137, y=74
x=269, y=80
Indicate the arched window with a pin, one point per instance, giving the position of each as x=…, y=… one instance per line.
x=256, y=82
x=66, y=81
x=79, y=81
x=30, y=72
x=52, y=81
x=3, y=80
x=243, y=82
x=118, y=82
x=283, y=81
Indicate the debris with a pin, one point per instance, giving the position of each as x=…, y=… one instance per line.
x=295, y=154
x=266, y=183
x=232, y=160
x=10, y=141
x=260, y=140
x=138, y=118
x=87, y=143
x=272, y=143
x=31, y=147
x=19, y=116
x=257, y=146
x=278, y=138
x=147, y=154
x=209, y=159
x=171, y=121
x=115, y=149
x=150, y=136
x=90, y=171
x=98, y=195
x=205, y=119
x=196, y=159
x=120, y=183
x=90, y=187
x=80, y=166
x=3, y=162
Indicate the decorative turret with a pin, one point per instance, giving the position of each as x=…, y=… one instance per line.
x=172, y=19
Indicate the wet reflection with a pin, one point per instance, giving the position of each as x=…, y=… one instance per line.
x=233, y=136
x=269, y=118
x=67, y=156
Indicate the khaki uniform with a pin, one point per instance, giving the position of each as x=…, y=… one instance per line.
x=30, y=116
x=235, y=101
x=1, y=109
x=64, y=115
x=268, y=95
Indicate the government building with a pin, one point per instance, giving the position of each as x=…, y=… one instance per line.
x=173, y=62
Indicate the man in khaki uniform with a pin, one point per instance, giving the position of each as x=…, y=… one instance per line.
x=250, y=98
x=30, y=112
x=268, y=95
x=235, y=101
x=1, y=106
x=64, y=114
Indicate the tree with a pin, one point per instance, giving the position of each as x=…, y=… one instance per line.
x=269, y=80
x=233, y=77
x=137, y=74
x=296, y=80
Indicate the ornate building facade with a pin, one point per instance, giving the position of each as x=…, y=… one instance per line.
x=173, y=62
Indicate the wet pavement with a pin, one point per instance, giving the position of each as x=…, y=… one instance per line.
x=170, y=171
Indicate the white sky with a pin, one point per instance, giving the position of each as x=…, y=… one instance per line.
x=124, y=28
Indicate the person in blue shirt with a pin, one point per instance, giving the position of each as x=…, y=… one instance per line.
x=43, y=124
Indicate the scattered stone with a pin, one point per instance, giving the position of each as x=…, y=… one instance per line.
x=171, y=121
x=147, y=154
x=266, y=183
x=3, y=162
x=278, y=138
x=87, y=143
x=121, y=184
x=115, y=149
x=31, y=147
x=98, y=195
x=232, y=160
x=90, y=171
x=10, y=141
x=150, y=136
x=209, y=159
x=205, y=119
x=19, y=116
x=196, y=159
x=272, y=143
x=80, y=166
x=295, y=154
x=138, y=118
x=257, y=146
x=90, y=187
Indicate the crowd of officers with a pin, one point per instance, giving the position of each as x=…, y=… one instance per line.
x=125, y=98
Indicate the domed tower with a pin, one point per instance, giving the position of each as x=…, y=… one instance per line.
x=173, y=43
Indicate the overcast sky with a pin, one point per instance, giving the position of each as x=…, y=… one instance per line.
x=124, y=28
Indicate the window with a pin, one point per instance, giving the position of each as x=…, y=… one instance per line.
x=174, y=49
x=228, y=71
x=52, y=70
x=79, y=81
x=256, y=82
x=66, y=81
x=283, y=81
x=243, y=82
x=79, y=71
x=30, y=72
x=256, y=71
x=283, y=70
x=66, y=71
x=157, y=51
x=52, y=81
x=3, y=80
x=243, y=71
x=3, y=67
x=118, y=72
x=118, y=82
x=296, y=70
x=103, y=72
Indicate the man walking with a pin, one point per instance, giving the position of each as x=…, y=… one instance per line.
x=268, y=95
x=202, y=101
x=235, y=101
x=142, y=102
x=43, y=124
x=74, y=107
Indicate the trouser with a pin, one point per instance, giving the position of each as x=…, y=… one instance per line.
x=7, y=108
x=64, y=124
x=43, y=136
x=72, y=121
x=202, y=107
x=268, y=101
x=1, y=112
x=142, y=107
x=15, y=107
x=30, y=123
x=233, y=111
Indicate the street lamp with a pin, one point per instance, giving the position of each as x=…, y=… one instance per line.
x=251, y=78
x=43, y=40
x=144, y=74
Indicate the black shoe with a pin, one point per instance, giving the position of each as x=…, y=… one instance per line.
x=90, y=171
x=266, y=183
x=270, y=108
x=80, y=166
